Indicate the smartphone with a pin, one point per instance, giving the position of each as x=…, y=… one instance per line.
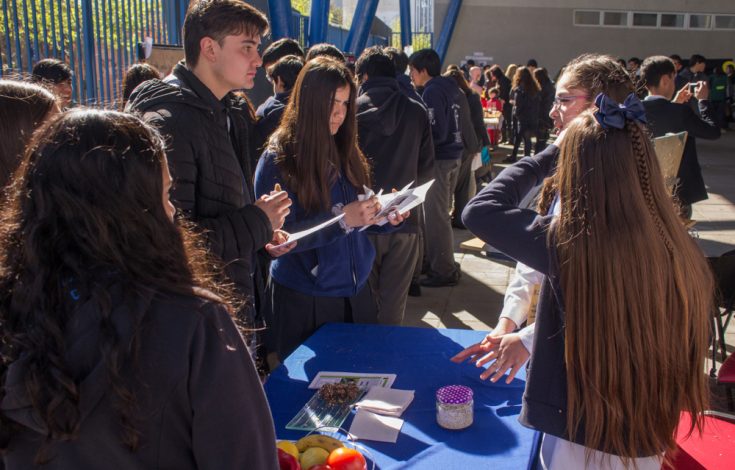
x=692, y=87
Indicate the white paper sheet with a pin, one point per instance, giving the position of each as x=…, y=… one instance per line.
x=402, y=201
x=386, y=401
x=372, y=427
x=305, y=233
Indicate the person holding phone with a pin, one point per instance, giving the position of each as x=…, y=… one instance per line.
x=664, y=116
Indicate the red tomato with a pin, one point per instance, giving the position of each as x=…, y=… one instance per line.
x=322, y=466
x=346, y=459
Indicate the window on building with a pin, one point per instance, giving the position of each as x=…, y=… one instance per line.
x=672, y=20
x=645, y=19
x=700, y=21
x=615, y=18
x=725, y=21
x=586, y=18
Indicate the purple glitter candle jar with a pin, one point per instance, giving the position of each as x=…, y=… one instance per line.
x=454, y=407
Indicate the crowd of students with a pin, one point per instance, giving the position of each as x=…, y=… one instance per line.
x=146, y=267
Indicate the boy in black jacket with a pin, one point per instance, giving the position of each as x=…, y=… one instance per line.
x=395, y=135
x=441, y=96
x=205, y=125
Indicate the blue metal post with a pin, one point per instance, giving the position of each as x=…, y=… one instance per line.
x=318, y=21
x=45, y=28
x=35, y=30
x=405, y=10
x=8, y=44
x=28, y=35
x=70, y=36
x=61, y=30
x=53, y=28
x=360, y=29
x=280, y=13
x=16, y=22
x=96, y=31
x=448, y=28
x=88, y=37
x=114, y=32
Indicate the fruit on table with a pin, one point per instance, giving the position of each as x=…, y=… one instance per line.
x=346, y=459
x=313, y=456
x=288, y=446
x=287, y=461
x=318, y=440
x=321, y=467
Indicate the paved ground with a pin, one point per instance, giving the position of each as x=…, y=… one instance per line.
x=476, y=301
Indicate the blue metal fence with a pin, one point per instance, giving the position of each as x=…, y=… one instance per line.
x=97, y=38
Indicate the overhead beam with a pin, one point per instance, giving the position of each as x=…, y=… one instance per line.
x=405, y=11
x=280, y=16
x=318, y=21
x=360, y=29
x=450, y=21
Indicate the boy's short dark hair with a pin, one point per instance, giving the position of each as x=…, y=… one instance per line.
x=653, y=68
x=279, y=49
x=675, y=58
x=531, y=63
x=426, y=59
x=375, y=62
x=51, y=71
x=399, y=58
x=696, y=59
x=287, y=69
x=635, y=60
x=216, y=19
x=325, y=49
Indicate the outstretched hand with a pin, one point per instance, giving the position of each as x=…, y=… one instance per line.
x=507, y=352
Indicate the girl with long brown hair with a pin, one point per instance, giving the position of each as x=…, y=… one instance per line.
x=118, y=346
x=621, y=326
x=313, y=155
x=526, y=108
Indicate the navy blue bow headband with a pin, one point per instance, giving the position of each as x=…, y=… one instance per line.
x=613, y=115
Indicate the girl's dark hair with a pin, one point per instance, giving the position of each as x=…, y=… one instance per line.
x=134, y=76
x=85, y=211
x=23, y=107
x=541, y=76
x=308, y=156
x=458, y=76
x=525, y=81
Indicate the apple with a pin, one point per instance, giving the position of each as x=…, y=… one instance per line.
x=287, y=461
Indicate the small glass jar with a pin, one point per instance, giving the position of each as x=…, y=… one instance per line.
x=454, y=407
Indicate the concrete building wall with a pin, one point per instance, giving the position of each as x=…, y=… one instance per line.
x=512, y=31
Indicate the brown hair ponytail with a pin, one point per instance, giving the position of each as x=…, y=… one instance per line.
x=637, y=294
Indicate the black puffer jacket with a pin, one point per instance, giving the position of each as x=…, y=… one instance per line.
x=210, y=166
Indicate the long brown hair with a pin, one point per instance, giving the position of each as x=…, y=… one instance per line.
x=85, y=210
x=23, y=107
x=525, y=80
x=458, y=76
x=637, y=293
x=308, y=156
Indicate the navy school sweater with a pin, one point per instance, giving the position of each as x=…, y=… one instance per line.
x=441, y=96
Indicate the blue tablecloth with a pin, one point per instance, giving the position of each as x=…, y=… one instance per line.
x=420, y=359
